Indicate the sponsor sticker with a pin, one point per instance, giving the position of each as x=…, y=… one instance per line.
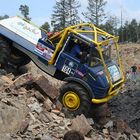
x=80, y=73
x=44, y=51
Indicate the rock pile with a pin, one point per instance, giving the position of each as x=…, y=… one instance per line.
x=29, y=110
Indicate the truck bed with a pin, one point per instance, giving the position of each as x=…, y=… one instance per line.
x=25, y=37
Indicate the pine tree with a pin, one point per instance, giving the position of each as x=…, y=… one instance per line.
x=46, y=26
x=126, y=32
x=59, y=15
x=111, y=25
x=138, y=33
x=95, y=11
x=65, y=14
x=73, y=17
x=133, y=30
x=25, y=11
x=4, y=17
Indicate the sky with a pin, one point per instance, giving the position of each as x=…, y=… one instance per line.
x=41, y=10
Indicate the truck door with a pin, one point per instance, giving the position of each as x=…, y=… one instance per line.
x=69, y=59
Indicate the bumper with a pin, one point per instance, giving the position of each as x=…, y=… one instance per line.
x=107, y=98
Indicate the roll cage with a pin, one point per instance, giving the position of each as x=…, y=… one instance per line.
x=95, y=36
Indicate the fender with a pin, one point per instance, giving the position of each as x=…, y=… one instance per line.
x=81, y=82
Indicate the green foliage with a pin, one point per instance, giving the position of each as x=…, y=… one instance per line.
x=59, y=15
x=65, y=13
x=130, y=32
x=111, y=25
x=95, y=11
x=24, y=9
x=4, y=17
x=46, y=26
x=72, y=8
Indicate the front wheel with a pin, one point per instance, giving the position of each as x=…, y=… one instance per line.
x=75, y=98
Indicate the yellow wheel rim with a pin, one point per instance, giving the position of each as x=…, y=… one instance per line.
x=71, y=100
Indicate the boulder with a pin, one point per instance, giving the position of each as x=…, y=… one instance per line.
x=81, y=124
x=42, y=84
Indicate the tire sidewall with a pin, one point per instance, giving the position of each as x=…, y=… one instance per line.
x=81, y=93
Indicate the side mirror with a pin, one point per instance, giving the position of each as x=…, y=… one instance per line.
x=83, y=58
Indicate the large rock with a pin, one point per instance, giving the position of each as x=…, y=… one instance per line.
x=101, y=113
x=122, y=127
x=48, y=104
x=11, y=117
x=6, y=79
x=4, y=82
x=24, y=126
x=35, y=107
x=5, y=137
x=39, y=96
x=81, y=124
x=43, y=85
x=22, y=80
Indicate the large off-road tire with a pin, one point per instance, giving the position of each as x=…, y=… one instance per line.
x=18, y=58
x=4, y=52
x=75, y=98
x=9, y=53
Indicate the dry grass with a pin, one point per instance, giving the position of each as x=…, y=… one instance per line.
x=130, y=55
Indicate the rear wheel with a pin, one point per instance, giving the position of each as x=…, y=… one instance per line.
x=11, y=54
x=75, y=98
x=4, y=52
x=18, y=58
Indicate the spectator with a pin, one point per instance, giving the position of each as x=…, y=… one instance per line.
x=134, y=70
x=127, y=74
x=73, y=135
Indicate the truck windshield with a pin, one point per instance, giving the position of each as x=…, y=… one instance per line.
x=94, y=57
x=107, y=47
x=109, y=51
x=106, y=52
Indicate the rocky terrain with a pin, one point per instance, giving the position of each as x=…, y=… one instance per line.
x=127, y=104
x=29, y=109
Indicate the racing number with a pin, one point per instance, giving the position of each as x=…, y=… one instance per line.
x=66, y=69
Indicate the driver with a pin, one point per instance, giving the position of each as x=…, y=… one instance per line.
x=76, y=51
x=95, y=57
x=80, y=51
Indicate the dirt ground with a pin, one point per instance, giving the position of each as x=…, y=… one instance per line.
x=127, y=104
